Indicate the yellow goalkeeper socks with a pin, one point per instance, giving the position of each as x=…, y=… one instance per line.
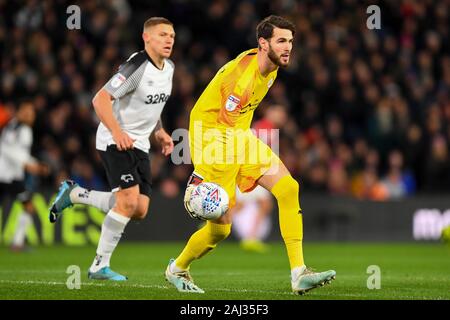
x=201, y=242
x=286, y=191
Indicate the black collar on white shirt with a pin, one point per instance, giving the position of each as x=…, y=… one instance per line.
x=153, y=63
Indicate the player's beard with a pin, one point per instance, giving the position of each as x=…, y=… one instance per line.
x=276, y=60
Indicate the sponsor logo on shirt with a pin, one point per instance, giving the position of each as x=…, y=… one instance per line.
x=232, y=103
x=157, y=98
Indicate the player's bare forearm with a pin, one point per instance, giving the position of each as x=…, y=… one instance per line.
x=160, y=132
x=165, y=140
x=103, y=109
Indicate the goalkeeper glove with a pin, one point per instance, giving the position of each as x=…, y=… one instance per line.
x=194, y=181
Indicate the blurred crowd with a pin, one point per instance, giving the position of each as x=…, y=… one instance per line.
x=364, y=113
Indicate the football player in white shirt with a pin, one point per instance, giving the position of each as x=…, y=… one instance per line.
x=129, y=107
x=16, y=160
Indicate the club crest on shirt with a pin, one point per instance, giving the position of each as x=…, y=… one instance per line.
x=117, y=80
x=232, y=103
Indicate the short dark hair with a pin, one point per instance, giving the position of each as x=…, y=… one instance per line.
x=266, y=26
x=153, y=21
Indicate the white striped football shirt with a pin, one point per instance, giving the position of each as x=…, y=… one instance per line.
x=140, y=91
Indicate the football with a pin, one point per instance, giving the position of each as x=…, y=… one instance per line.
x=209, y=201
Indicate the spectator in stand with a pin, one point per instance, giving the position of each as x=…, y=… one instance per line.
x=398, y=182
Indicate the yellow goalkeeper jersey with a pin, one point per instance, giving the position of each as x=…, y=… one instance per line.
x=232, y=96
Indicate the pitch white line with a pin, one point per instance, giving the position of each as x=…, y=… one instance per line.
x=149, y=286
x=33, y=271
x=92, y=284
x=56, y=271
x=142, y=286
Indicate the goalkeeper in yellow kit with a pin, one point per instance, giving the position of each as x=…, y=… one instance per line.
x=226, y=152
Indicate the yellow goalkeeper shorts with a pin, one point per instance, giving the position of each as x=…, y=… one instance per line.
x=232, y=159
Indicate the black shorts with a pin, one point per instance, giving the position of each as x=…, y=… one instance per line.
x=125, y=169
x=13, y=188
x=10, y=191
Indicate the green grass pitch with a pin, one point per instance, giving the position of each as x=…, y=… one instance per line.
x=408, y=271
